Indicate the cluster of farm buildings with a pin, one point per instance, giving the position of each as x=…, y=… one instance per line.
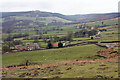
x=28, y=47
x=35, y=46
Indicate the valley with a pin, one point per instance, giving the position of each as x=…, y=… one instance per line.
x=51, y=45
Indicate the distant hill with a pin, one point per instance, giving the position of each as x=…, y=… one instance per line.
x=34, y=14
x=75, y=18
x=94, y=17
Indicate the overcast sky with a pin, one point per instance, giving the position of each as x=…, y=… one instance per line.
x=68, y=7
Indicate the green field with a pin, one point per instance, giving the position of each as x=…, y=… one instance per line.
x=52, y=55
x=45, y=19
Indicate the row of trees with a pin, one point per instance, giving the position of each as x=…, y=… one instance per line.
x=84, y=33
x=7, y=45
x=68, y=37
x=11, y=37
x=45, y=31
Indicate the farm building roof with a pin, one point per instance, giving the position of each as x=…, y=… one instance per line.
x=18, y=45
x=31, y=45
x=23, y=48
x=55, y=44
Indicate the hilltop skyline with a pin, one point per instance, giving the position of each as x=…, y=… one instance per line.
x=66, y=7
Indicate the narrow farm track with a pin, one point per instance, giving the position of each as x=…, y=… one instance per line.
x=56, y=64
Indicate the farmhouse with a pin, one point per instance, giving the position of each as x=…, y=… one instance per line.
x=55, y=44
x=32, y=47
x=64, y=44
x=98, y=33
x=28, y=47
x=20, y=48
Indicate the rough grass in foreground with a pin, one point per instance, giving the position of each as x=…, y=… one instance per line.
x=98, y=69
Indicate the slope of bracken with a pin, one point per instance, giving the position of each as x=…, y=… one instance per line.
x=58, y=63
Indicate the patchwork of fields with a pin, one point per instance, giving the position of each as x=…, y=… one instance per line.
x=77, y=61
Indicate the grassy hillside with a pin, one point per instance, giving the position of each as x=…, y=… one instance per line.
x=42, y=19
x=52, y=55
x=96, y=69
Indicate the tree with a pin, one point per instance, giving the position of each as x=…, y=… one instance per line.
x=50, y=45
x=17, y=42
x=45, y=32
x=44, y=38
x=51, y=38
x=102, y=23
x=92, y=38
x=60, y=45
x=36, y=40
x=70, y=36
x=56, y=38
x=9, y=38
x=83, y=33
x=5, y=48
x=40, y=36
x=9, y=43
